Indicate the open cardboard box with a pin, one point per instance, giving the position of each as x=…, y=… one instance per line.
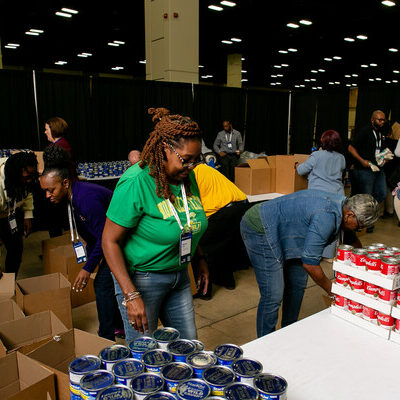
x=57, y=355
x=25, y=334
x=7, y=286
x=25, y=379
x=46, y=292
x=9, y=311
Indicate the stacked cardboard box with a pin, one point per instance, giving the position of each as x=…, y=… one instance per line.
x=9, y=311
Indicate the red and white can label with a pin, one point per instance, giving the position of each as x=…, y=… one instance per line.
x=387, y=296
x=385, y=321
x=389, y=267
x=397, y=325
x=398, y=298
x=358, y=258
x=344, y=253
x=354, y=307
x=356, y=284
x=341, y=302
x=371, y=290
x=370, y=314
x=342, y=279
x=373, y=263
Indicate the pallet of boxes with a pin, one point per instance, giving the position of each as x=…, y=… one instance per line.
x=366, y=288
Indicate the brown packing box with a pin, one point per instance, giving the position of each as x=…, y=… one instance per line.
x=254, y=176
x=9, y=311
x=7, y=286
x=52, y=243
x=396, y=131
x=25, y=334
x=39, y=157
x=57, y=355
x=25, y=379
x=46, y=292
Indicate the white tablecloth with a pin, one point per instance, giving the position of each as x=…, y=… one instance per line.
x=263, y=197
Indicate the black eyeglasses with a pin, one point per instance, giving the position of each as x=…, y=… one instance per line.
x=185, y=164
x=359, y=228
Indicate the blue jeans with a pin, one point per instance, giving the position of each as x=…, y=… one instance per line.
x=373, y=183
x=278, y=281
x=166, y=296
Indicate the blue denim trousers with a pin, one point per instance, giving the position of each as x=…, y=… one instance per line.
x=373, y=183
x=278, y=282
x=166, y=296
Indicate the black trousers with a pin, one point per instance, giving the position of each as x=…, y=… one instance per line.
x=228, y=164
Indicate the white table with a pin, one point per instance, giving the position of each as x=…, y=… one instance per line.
x=263, y=197
x=326, y=358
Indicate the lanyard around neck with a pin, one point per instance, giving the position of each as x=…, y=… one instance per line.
x=378, y=142
x=185, y=204
x=72, y=223
x=230, y=138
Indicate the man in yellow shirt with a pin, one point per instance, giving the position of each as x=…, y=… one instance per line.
x=224, y=205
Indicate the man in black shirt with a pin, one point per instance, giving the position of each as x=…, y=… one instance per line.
x=367, y=143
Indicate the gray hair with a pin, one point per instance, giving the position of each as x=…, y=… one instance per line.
x=365, y=209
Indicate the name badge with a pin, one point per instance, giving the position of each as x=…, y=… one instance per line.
x=230, y=146
x=12, y=221
x=185, y=248
x=80, y=252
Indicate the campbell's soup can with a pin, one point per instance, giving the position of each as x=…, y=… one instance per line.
x=390, y=266
x=373, y=263
x=358, y=258
x=355, y=308
x=356, y=284
x=398, y=298
x=370, y=314
x=385, y=321
x=397, y=326
x=341, y=302
x=387, y=253
x=342, y=279
x=380, y=246
x=371, y=290
x=372, y=249
x=396, y=250
x=344, y=253
x=387, y=296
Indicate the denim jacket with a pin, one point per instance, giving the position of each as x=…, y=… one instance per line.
x=301, y=224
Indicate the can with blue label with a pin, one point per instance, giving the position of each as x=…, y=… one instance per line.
x=227, y=353
x=246, y=369
x=199, y=345
x=145, y=384
x=181, y=348
x=218, y=377
x=271, y=387
x=126, y=369
x=155, y=359
x=200, y=361
x=160, y=396
x=78, y=368
x=116, y=392
x=112, y=354
x=175, y=373
x=140, y=345
x=193, y=389
x=165, y=335
x=240, y=391
x=94, y=382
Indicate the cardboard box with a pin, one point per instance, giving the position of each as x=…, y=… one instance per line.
x=46, y=292
x=256, y=176
x=39, y=157
x=25, y=379
x=25, y=334
x=52, y=243
x=9, y=311
x=57, y=355
x=7, y=286
x=396, y=131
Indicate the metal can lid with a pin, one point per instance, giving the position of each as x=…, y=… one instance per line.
x=160, y=396
x=202, y=359
x=218, y=375
x=114, y=392
x=371, y=247
x=114, y=352
x=345, y=247
x=379, y=245
x=97, y=380
x=147, y=383
x=181, y=347
x=143, y=344
x=85, y=364
x=193, y=389
x=246, y=367
x=157, y=357
x=360, y=251
x=271, y=384
x=176, y=372
x=228, y=352
x=127, y=368
x=391, y=260
x=240, y=391
x=374, y=256
x=199, y=345
x=166, y=334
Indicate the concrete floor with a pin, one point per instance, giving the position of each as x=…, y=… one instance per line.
x=230, y=316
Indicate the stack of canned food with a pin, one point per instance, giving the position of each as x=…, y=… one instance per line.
x=5, y=153
x=165, y=367
x=102, y=169
x=376, y=259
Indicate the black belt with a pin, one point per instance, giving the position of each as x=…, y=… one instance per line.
x=236, y=202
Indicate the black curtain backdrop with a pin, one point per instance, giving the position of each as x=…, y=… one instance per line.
x=267, y=121
x=302, y=122
x=18, y=117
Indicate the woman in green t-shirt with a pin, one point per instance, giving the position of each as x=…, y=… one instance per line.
x=154, y=223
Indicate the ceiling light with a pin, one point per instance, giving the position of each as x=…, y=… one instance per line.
x=354, y=84
x=349, y=39
x=331, y=83
x=362, y=37
x=348, y=84
x=337, y=83
x=305, y=22
x=274, y=76
x=283, y=51
x=373, y=65
x=13, y=44
x=378, y=79
x=364, y=65
x=321, y=70
x=371, y=79
x=60, y=62
x=292, y=25
x=306, y=80
x=277, y=83
x=243, y=71
x=355, y=75
x=313, y=80
x=31, y=33
x=292, y=50
x=337, y=57
x=244, y=80
x=314, y=71
x=393, y=50
x=388, y=82
x=279, y=75
x=272, y=83
x=347, y=76
x=297, y=86
x=388, y=3
x=201, y=66
x=243, y=59
x=142, y=62
x=228, y=3
x=82, y=55
x=319, y=87
x=8, y=46
x=327, y=59
x=87, y=54
x=36, y=30
x=69, y=10
x=215, y=8
x=314, y=88
x=395, y=81
x=277, y=66
x=395, y=71
x=118, y=42
x=226, y=41
x=113, y=44
x=236, y=39
x=302, y=85
x=65, y=15
x=285, y=65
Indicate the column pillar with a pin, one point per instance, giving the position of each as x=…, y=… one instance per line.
x=172, y=40
x=234, y=70
x=1, y=56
